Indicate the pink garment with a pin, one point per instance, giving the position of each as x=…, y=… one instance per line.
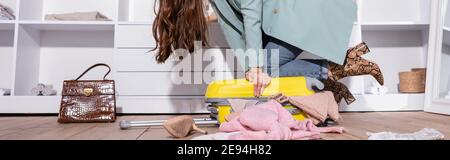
x=240, y=105
x=270, y=121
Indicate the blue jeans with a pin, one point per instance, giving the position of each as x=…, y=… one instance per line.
x=288, y=65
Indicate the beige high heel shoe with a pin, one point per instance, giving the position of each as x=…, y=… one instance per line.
x=182, y=126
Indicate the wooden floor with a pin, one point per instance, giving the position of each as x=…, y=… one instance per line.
x=46, y=128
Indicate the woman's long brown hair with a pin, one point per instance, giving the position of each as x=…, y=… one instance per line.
x=178, y=24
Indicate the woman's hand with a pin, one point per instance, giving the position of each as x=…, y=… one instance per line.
x=212, y=18
x=260, y=79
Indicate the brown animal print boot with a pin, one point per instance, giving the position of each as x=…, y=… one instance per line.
x=339, y=90
x=355, y=65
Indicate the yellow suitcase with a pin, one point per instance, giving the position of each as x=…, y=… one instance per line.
x=219, y=92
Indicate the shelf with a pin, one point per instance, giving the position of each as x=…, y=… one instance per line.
x=151, y=22
x=70, y=25
x=149, y=104
x=447, y=29
x=29, y=104
x=135, y=23
x=442, y=101
x=37, y=9
x=125, y=104
x=7, y=21
x=50, y=53
x=393, y=26
x=388, y=102
x=7, y=25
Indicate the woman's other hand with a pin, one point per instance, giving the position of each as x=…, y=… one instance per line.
x=260, y=79
x=212, y=18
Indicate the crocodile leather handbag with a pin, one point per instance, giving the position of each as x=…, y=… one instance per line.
x=86, y=101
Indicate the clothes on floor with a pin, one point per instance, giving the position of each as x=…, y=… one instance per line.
x=318, y=107
x=6, y=13
x=43, y=90
x=5, y=92
x=77, y=16
x=239, y=105
x=424, y=134
x=270, y=121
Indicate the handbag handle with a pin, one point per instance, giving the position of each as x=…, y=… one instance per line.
x=94, y=66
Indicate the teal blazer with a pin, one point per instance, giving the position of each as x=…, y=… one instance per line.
x=321, y=27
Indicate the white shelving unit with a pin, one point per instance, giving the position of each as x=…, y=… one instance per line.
x=397, y=34
x=6, y=54
x=445, y=56
x=33, y=50
x=37, y=9
x=7, y=47
x=136, y=11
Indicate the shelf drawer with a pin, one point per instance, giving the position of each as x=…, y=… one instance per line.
x=165, y=83
x=140, y=36
x=141, y=60
x=135, y=36
x=161, y=104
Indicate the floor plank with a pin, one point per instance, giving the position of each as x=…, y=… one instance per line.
x=110, y=131
x=159, y=133
x=357, y=125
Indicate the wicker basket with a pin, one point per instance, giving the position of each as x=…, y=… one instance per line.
x=413, y=82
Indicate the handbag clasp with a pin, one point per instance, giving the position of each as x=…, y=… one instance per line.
x=88, y=91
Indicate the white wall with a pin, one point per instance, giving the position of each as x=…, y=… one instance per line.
x=136, y=10
x=395, y=11
x=445, y=71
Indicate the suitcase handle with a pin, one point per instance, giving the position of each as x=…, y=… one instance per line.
x=94, y=66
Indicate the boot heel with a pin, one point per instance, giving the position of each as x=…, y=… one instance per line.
x=376, y=72
x=340, y=91
x=344, y=93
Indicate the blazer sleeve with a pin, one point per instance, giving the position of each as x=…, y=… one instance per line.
x=252, y=17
